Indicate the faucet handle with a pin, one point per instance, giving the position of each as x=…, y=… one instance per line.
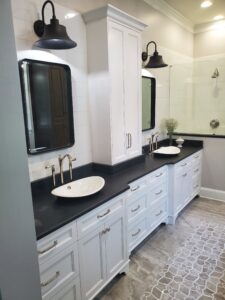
x=52, y=167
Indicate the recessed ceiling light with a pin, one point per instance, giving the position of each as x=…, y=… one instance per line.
x=219, y=17
x=206, y=4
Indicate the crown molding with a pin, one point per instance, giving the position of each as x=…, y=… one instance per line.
x=171, y=13
x=114, y=13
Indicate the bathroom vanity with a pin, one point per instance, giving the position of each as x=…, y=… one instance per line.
x=84, y=243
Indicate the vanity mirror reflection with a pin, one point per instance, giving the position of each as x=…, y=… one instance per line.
x=47, y=104
x=148, y=102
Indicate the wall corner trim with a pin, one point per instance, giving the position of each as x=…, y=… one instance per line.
x=212, y=194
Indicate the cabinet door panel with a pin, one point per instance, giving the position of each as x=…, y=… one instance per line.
x=116, y=73
x=132, y=79
x=115, y=245
x=92, y=264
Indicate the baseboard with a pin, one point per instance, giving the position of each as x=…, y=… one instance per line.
x=212, y=194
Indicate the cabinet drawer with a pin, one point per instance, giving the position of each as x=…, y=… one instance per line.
x=158, y=192
x=183, y=165
x=68, y=291
x=196, y=185
x=138, y=185
x=196, y=169
x=137, y=205
x=158, y=213
x=196, y=158
x=97, y=217
x=56, y=241
x=137, y=232
x=158, y=177
x=58, y=270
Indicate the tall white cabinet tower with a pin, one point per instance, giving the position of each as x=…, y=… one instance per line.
x=114, y=65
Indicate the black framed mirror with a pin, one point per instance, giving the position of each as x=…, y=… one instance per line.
x=148, y=102
x=47, y=104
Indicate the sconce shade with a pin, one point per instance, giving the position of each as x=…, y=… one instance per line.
x=53, y=35
x=155, y=61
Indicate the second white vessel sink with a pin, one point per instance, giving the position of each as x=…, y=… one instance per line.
x=170, y=150
x=80, y=188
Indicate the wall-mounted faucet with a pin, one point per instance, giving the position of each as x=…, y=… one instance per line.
x=61, y=159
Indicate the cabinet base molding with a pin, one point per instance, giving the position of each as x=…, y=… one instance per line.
x=212, y=194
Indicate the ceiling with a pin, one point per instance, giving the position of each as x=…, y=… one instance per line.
x=191, y=10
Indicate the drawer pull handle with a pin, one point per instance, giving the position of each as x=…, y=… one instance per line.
x=196, y=170
x=49, y=248
x=183, y=165
x=160, y=192
x=184, y=175
x=135, y=188
x=135, y=209
x=105, y=230
x=196, y=186
x=196, y=156
x=161, y=211
x=136, y=233
x=159, y=175
x=106, y=213
x=43, y=284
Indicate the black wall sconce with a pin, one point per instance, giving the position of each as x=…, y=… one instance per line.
x=156, y=60
x=53, y=35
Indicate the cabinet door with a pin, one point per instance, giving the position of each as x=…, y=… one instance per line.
x=116, y=73
x=182, y=189
x=132, y=79
x=92, y=263
x=115, y=243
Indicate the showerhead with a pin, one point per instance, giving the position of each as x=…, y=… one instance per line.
x=215, y=74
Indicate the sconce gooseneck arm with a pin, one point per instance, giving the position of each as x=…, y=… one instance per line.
x=43, y=8
x=152, y=42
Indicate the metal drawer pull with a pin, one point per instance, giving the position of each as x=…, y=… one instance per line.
x=106, y=213
x=160, y=192
x=196, y=186
x=184, y=175
x=135, y=188
x=49, y=248
x=135, y=209
x=196, y=170
x=43, y=284
x=196, y=156
x=161, y=211
x=136, y=233
x=105, y=230
x=184, y=165
x=159, y=175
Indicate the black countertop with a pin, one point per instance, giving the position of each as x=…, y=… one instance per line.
x=51, y=212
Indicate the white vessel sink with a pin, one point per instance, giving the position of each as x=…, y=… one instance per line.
x=170, y=150
x=80, y=188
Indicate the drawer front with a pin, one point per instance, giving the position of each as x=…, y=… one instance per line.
x=158, y=193
x=137, y=232
x=196, y=169
x=158, y=177
x=196, y=185
x=183, y=165
x=58, y=270
x=56, y=241
x=137, y=205
x=68, y=291
x=158, y=213
x=138, y=185
x=91, y=221
x=196, y=158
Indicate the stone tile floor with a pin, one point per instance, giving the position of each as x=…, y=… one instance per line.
x=185, y=261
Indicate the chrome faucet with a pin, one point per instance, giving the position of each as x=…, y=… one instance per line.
x=52, y=167
x=151, y=142
x=61, y=159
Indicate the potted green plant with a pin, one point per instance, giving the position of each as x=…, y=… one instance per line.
x=171, y=125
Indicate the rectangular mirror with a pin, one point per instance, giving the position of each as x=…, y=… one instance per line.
x=47, y=104
x=148, y=103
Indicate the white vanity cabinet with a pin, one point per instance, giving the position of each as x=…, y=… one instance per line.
x=59, y=265
x=184, y=184
x=102, y=246
x=147, y=203
x=114, y=65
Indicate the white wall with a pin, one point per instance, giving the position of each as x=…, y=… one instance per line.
x=24, y=14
